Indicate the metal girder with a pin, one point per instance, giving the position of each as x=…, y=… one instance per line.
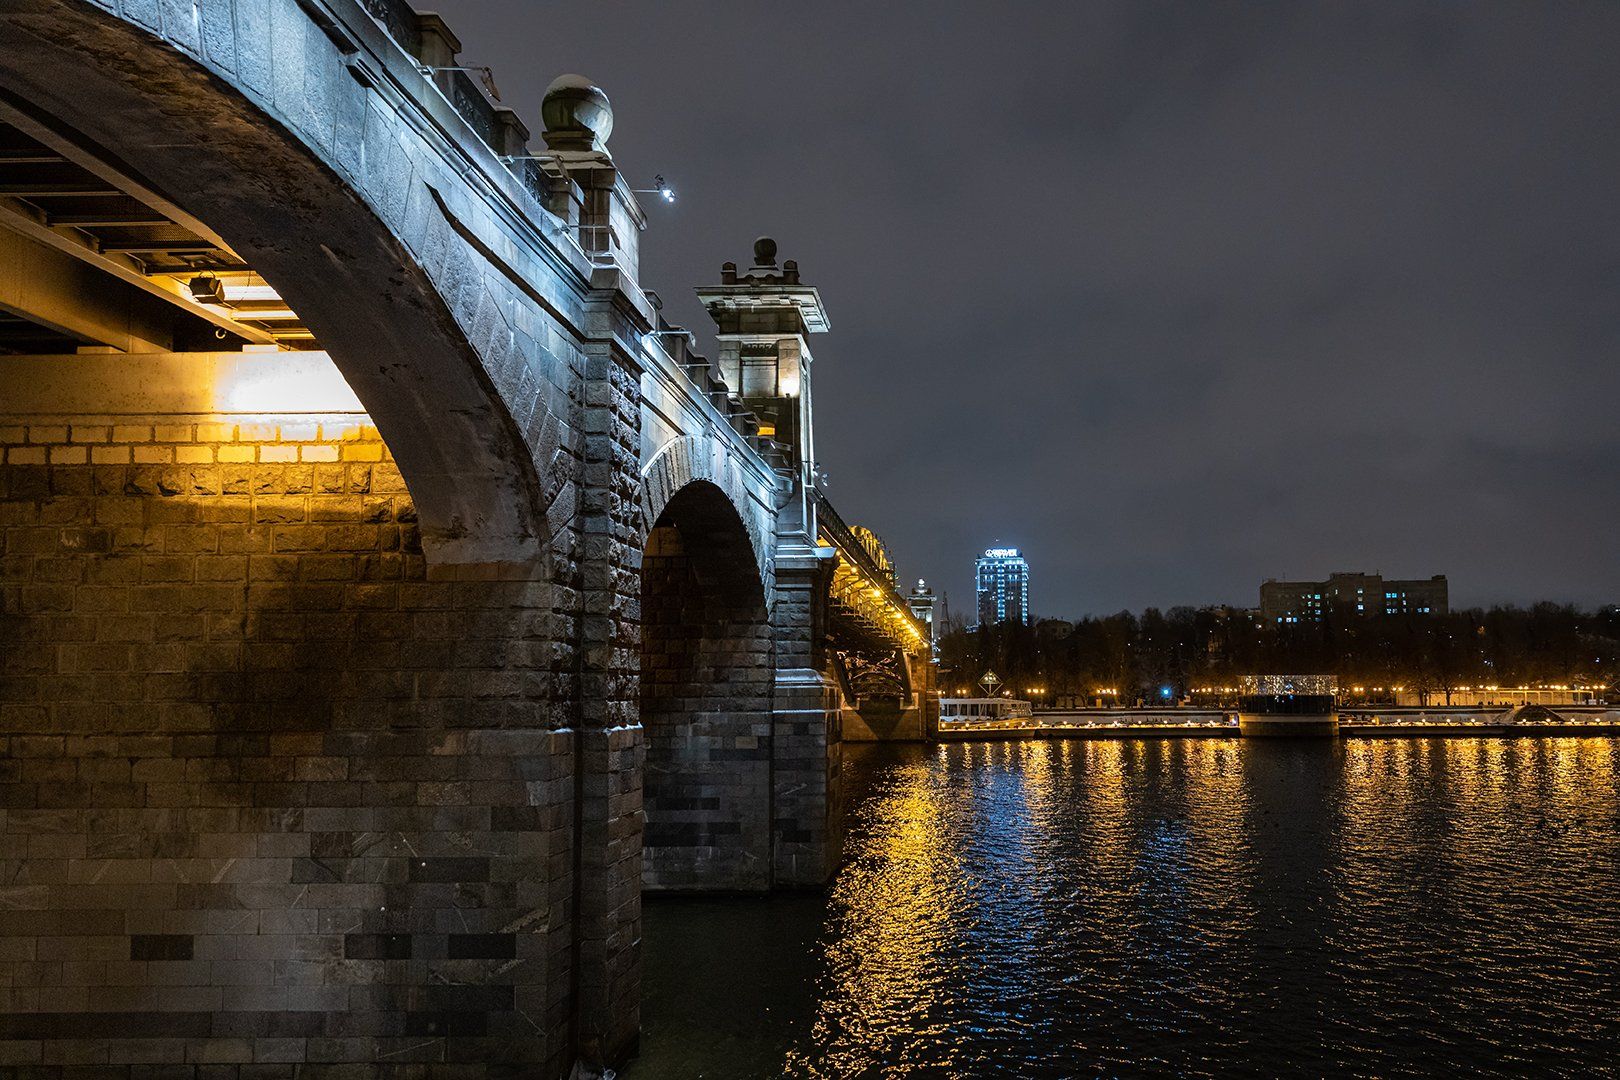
x=118, y=181
x=168, y=247
x=58, y=189
x=142, y=238
x=30, y=157
x=23, y=219
x=106, y=221
x=73, y=300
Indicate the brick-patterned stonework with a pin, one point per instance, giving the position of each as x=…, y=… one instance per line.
x=270, y=791
x=807, y=750
x=610, y=751
x=705, y=701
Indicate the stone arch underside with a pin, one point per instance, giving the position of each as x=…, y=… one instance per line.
x=291, y=162
x=688, y=459
x=706, y=683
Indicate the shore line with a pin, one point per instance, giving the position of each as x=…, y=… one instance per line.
x=1230, y=731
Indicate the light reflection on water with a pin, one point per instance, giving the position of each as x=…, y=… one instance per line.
x=1206, y=907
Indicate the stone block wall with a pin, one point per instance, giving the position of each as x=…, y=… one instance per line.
x=610, y=748
x=272, y=790
x=807, y=764
x=706, y=687
x=808, y=717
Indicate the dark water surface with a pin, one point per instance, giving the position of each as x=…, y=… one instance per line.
x=1210, y=907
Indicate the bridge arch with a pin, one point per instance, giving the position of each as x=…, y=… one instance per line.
x=706, y=683
x=690, y=459
x=261, y=134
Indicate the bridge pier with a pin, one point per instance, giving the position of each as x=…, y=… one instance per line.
x=807, y=730
x=605, y=999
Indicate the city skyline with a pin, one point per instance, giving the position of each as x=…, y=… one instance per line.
x=1246, y=601
x=1288, y=289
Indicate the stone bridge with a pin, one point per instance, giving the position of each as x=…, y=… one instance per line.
x=389, y=595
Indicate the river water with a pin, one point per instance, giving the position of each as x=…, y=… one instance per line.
x=1173, y=907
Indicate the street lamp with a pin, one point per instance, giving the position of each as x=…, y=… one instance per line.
x=659, y=188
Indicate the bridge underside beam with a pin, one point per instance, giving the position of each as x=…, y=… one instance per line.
x=62, y=294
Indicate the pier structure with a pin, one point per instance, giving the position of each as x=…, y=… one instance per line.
x=1271, y=705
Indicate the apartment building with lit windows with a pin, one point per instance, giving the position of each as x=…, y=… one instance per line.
x=1350, y=595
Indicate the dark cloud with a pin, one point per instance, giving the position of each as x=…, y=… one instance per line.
x=1174, y=296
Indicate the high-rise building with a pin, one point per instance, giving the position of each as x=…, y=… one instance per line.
x=1003, y=585
x=1351, y=595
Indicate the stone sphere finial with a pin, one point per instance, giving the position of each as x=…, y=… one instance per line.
x=574, y=104
x=764, y=251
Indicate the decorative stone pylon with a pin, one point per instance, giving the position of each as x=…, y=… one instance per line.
x=764, y=318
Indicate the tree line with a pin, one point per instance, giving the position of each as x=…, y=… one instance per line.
x=1164, y=655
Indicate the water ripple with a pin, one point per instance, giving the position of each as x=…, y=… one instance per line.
x=1209, y=908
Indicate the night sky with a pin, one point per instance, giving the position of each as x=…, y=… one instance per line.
x=1174, y=297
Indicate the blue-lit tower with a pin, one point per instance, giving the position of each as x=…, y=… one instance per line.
x=1003, y=585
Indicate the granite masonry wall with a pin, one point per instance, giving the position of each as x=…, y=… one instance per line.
x=705, y=701
x=807, y=733
x=610, y=750
x=272, y=790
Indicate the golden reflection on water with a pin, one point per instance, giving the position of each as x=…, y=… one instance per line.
x=1179, y=906
x=1217, y=807
x=898, y=898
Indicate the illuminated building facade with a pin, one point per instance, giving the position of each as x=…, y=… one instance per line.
x=1003, y=586
x=1356, y=595
x=921, y=602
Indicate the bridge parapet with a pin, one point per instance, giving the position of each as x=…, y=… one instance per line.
x=864, y=582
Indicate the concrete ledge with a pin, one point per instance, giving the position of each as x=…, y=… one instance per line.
x=175, y=383
x=1288, y=725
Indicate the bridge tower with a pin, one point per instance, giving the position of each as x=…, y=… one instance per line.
x=763, y=319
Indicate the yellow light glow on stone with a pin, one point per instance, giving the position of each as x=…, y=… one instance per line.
x=788, y=378
x=283, y=382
